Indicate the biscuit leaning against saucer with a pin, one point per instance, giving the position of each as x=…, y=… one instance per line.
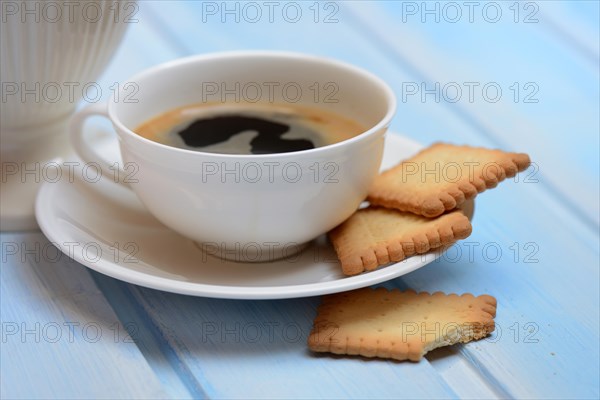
x=442, y=176
x=399, y=325
x=376, y=236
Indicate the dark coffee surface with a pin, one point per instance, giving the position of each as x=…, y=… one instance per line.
x=211, y=131
x=249, y=128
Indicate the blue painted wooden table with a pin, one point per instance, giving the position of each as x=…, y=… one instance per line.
x=522, y=76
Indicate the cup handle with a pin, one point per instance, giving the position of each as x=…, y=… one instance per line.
x=83, y=148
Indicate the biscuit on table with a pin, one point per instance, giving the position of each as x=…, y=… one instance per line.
x=376, y=236
x=442, y=176
x=399, y=325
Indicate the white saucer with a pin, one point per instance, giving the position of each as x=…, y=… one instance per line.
x=104, y=227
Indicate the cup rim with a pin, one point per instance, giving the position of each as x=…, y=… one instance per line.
x=144, y=74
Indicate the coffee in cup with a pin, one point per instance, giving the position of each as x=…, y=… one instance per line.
x=251, y=128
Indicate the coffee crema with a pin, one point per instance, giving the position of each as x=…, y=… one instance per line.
x=249, y=128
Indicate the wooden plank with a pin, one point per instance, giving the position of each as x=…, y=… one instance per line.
x=60, y=338
x=462, y=376
x=143, y=46
x=551, y=290
x=577, y=23
x=257, y=349
x=171, y=374
x=558, y=108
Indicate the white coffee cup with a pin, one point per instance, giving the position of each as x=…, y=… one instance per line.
x=248, y=207
x=51, y=52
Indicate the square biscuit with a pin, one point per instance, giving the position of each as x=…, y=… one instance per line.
x=399, y=325
x=376, y=236
x=442, y=176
